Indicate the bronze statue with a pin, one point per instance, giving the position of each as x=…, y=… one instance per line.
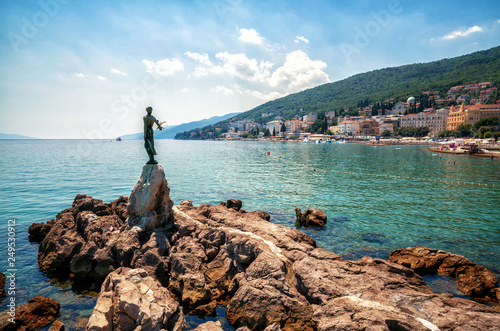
x=149, y=142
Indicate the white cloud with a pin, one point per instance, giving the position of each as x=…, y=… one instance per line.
x=223, y=89
x=79, y=75
x=239, y=65
x=101, y=78
x=463, y=32
x=301, y=38
x=299, y=72
x=166, y=67
x=185, y=89
x=264, y=96
x=118, y=72
x=250, y=36
x=203, y=58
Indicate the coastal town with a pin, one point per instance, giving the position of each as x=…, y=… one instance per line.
x=434, y=115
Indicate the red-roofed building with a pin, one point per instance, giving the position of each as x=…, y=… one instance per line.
x=484, y=84
x=435, y=121
x=471, y=114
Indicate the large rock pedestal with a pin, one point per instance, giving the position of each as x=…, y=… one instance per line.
x=132, y=300
x=150, y=205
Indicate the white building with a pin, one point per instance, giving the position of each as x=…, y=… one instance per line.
x=386, y=126
x=399, y=108
x=348, y=127
x=274, y=125
x=311, y=117
x=435, y=121
x=334, y=129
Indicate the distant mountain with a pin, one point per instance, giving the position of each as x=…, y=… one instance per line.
x=14, y=136
x=169, y=132
x=379, y=85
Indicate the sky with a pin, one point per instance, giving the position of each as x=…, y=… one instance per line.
x=88, y=69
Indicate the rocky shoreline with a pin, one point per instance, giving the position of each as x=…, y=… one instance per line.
x=157, y=262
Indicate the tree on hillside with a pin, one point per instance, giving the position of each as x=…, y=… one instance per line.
x=488, y=121
x=324, y=127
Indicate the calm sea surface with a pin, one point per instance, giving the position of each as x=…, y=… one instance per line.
x=377, y=198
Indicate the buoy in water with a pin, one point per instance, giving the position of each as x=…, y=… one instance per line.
x=268, y=153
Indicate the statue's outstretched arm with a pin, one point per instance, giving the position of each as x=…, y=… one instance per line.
x=159, y=124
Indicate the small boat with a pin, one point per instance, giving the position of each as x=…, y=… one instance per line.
x=119, y=139
x=306, y=140
x=341, y=141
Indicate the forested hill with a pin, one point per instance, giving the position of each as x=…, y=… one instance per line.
x=379, y=85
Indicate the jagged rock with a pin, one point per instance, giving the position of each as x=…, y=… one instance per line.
x=150, y=205
x=276, y=276
x=472, y=279
x=270, y=276
x=209, y=326
x=57, y=326
x=90, y=246
x=132, y=300
x=311, y=217
x=119, y=207
x=234, y=204
x=37, y=313
x=2, y=285
x=38, y=231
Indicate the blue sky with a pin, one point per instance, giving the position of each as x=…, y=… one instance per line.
x=88, y=69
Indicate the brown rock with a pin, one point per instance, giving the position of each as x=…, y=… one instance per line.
x=274, y=276
x=90, y=246
x=2, y=285
x=311, y=217
x=472, y=279
x=270, y=276
x=38, y=231
x=209, y=326
x=57, y=326
x=37, y=313
x=234, y=204
x=132, y=300
x=119, y=207
x=150, y=205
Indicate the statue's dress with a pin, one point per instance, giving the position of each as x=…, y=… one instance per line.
x=149, y=143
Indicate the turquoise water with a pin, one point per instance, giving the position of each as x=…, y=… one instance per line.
x=370, y=210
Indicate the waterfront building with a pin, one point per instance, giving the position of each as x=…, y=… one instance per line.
x=334, y=129
x=349, y=127
x=368, y=128
x=385, y=126
x=478, y=112
x=471, y=114
x=435, y=121
x=293, y=126
x=274, y=125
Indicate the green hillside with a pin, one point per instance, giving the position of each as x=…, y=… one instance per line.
x=379, y=85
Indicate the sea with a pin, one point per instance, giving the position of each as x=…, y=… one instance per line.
x=377, y=199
